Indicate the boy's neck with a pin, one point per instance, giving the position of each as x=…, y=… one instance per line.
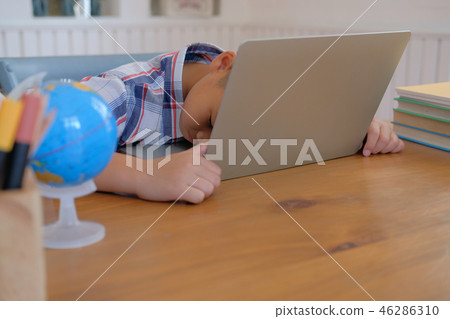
x=192, y=73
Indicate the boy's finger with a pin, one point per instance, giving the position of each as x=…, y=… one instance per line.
x=383, y=139
x=203, y=147
x=210, y=176
x=372, y=138
x=200, y=148
x=400, y=146
x=205, y=186
x=391, y=145
x=198, y=153
x=213, y=167
x=194, y=196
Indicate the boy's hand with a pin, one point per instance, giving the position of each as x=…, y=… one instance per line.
x=381, y=139
x=175, y=177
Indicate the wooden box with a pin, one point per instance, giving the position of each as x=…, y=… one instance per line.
x=22, y=266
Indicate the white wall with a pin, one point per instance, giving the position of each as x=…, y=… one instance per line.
x=17, y=10
x=416, y=15
x=427, y=58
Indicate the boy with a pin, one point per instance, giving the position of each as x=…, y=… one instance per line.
x=178, y=95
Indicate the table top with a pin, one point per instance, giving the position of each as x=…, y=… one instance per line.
x=357, y=228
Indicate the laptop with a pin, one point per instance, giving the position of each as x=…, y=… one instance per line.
x=296, y=101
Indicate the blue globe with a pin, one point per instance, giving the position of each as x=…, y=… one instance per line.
x=81, y=139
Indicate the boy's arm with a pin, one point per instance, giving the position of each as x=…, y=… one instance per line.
x=179, y=176
x=381, y=138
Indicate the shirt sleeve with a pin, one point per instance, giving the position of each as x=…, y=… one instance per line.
x=114, y=92
x=121, y=99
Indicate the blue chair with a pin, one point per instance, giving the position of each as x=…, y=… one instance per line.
x=15, y=70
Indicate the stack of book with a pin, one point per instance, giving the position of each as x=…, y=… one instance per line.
x=423, y=114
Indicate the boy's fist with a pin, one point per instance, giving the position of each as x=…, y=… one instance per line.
x=188, y=174
x=381, y=139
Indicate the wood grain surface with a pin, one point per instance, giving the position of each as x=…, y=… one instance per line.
x=365, y=228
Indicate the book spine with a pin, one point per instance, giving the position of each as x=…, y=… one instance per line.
x=424, y=143
x=422, y=121
x=421, y=129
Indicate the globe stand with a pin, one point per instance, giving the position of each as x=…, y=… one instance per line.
x=68, y=231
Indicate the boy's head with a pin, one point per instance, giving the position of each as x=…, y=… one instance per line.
x=203, y=99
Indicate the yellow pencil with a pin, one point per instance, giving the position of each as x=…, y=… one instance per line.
x=10, y=114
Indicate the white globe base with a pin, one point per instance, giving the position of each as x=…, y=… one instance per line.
x=68, y=231
x=84, y=233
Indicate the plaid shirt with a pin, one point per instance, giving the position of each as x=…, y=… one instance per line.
x=146, y=98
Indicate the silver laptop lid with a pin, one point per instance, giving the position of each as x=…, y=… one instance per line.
x=293, y=99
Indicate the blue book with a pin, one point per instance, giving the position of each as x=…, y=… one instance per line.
x=423, y=136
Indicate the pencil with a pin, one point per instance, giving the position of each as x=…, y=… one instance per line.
x=10, y=114
x=19, y=155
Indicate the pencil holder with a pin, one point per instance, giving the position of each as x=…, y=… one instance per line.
x=22, y=266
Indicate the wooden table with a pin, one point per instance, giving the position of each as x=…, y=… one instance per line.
x=385, y=220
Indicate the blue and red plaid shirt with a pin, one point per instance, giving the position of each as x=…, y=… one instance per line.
x=147, y=97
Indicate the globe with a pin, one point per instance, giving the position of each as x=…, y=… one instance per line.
x=80, y=140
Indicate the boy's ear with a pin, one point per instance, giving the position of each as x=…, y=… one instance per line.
x=223, y=61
